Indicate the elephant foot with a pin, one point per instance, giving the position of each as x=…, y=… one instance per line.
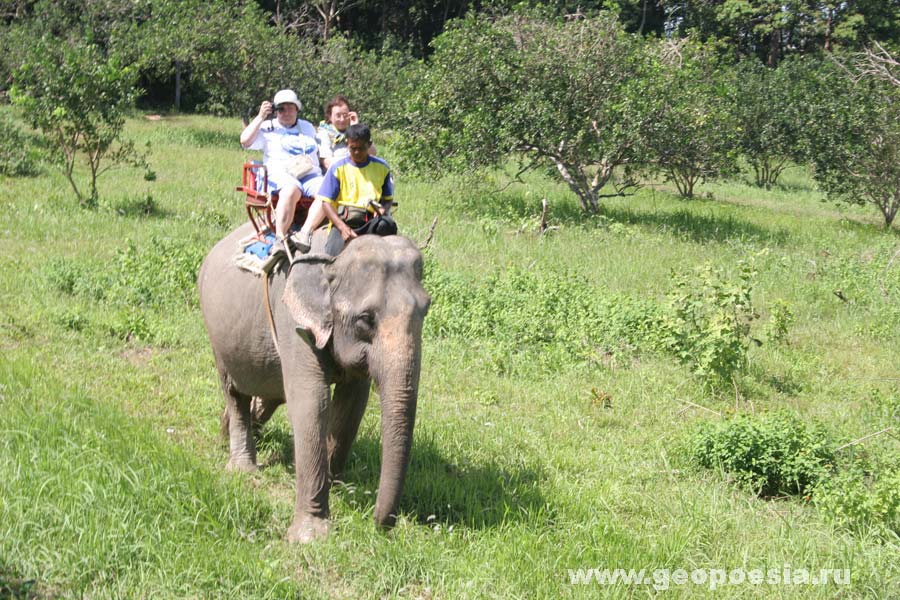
x=243, y=465
x=307, y=528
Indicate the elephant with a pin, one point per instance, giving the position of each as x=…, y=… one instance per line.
x=346, y=320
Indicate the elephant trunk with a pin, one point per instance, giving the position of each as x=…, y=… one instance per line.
x=399, y=390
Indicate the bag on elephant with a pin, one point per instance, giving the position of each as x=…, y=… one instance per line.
x=380, y=225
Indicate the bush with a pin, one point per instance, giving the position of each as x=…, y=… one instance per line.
x=130, y=324
x=575, y=112
x=525, y=321
x=769, y=114
x=75, y=278
x=859, y=497
x=159, y=275
x=781, y=317
x=708, y=323
x=853, y=140
x=163, y=273
x=18, y=155
x=774, y=455
x=691, y=134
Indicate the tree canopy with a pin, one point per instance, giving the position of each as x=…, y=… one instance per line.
x=604, y=95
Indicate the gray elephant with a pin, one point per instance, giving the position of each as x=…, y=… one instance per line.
x=344, y=321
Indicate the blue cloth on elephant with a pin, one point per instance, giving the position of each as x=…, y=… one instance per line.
x=259, y=256
x=261, y=249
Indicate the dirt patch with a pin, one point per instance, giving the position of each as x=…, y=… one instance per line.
x=23, y=589
x=138, y=357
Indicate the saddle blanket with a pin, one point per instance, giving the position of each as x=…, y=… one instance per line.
x=254, y=255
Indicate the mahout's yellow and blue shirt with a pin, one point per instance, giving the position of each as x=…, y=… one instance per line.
x=349, y=184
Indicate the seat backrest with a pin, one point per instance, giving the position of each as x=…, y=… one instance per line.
x=255, y=176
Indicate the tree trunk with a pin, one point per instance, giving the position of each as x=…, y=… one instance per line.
x=579, y=186
x=643, y=18
x=94, y=199
x=178, y=85
x=774, y=47
x=889, y=210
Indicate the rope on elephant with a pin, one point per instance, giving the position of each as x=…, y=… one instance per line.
x=269, y=318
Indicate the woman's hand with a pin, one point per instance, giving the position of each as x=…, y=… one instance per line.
x=265, y=109
x=354, y=118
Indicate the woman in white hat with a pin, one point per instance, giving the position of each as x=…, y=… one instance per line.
x=290, y=153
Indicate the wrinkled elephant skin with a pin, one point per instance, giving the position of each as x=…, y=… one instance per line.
x=345, y=321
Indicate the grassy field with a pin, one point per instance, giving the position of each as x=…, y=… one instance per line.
x=535, y=455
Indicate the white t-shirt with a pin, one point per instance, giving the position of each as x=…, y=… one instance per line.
x=281, y=145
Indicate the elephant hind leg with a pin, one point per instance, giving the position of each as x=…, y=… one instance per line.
x=346, y=413
x=261, y=410
x=238, y=420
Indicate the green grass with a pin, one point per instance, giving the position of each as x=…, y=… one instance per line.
x=112, y=482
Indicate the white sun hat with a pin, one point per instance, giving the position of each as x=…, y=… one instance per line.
x=287, y=97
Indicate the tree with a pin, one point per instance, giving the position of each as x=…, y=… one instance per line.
x=77, y=98
x=690, y=135
x=177, y=35
x=563, y=93
x=878, y=63
x=854, y=140
x=225, y=58
x=773, y=29
x=769, y=115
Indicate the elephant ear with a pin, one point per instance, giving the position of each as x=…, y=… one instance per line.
x=307, y=296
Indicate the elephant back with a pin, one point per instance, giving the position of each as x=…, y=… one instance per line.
x=232, y=305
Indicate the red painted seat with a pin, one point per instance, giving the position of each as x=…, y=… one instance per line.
x=261, y=204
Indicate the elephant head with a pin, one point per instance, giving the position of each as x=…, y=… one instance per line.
x=365, y=308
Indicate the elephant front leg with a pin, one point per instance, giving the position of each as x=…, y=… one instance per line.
x=242, y=445
x=307, y=408
x=347, y=409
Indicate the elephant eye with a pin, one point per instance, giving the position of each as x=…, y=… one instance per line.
x=365, y=321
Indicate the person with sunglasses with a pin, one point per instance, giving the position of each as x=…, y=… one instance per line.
x=290, y=154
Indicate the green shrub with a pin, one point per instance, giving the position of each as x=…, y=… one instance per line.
x=521, y=320
x=708, y=323
x=63, y=274
x=774, y=454
x=92, y=280
x=18, y=155
x=77, y=96
x=71, y=319
x=130, y=324
x=781, y=317
x=210, y=219
x=136, y=206
x=861, y=497
x=162, y=273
